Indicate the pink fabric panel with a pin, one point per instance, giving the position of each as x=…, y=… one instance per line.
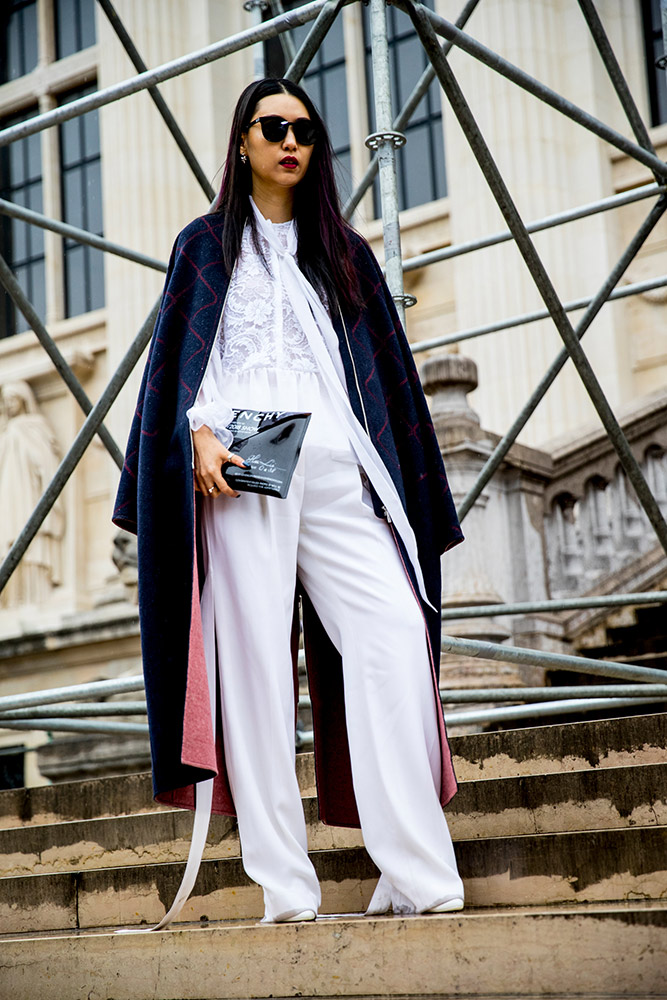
x=198, y=746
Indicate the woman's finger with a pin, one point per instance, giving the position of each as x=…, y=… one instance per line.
x=224, y=488
x=236, y=460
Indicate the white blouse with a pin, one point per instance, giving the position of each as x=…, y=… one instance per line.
x=259, y=328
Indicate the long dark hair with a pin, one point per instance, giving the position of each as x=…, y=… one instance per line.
x=323, y=252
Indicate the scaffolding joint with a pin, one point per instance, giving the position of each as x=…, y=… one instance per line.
x=377, y=139
x=405, y=299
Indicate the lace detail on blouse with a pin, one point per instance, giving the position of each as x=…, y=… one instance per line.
x=259, y=328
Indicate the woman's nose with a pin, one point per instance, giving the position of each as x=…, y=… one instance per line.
x=290, y=139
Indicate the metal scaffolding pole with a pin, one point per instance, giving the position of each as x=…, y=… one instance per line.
x=409, y=263
x=176, y=67
x=257, y=9
x=404, y=116
x=548, y=222
x=637, y=692
x=632, y=692
x=551, y=606
x=285, y=39
x=157, y=98
x=616, y=76
x=555, y=661
x=303, y=58
x=607, y=692
x=504, y=445
x=51, y=696
x=524, y=319
x=84, y=437
x=79, y=726
x=385, y=140
x=441, y=26
x=487, y=715
x=86, y=710
x=22, y=302
x=80, y=235
x=539, y=273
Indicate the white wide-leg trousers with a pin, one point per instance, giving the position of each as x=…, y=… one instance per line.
x=326, y=532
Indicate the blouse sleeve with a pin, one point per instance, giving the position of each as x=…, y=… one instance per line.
x=210, y=407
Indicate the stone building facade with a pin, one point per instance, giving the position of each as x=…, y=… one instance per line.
x=119, y=172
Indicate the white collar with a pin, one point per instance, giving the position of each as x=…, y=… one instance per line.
x=267, y=230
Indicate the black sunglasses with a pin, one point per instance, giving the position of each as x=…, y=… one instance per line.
x=274, y=129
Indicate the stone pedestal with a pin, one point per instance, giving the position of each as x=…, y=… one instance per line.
x=502, y=559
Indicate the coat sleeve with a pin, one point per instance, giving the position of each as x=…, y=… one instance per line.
x=125, y=507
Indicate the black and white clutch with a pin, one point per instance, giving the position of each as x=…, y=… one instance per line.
x=269, y=441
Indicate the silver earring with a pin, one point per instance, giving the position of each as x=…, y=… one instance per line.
x=244, y=159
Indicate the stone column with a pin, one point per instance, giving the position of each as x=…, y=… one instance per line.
x=549, y=164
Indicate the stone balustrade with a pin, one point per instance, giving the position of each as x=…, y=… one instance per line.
x=594, y=525
x=559, y=521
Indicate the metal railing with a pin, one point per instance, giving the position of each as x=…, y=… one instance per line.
x=28, y=711
x=57, y=709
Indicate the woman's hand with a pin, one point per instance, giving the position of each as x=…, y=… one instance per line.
x=209, y=458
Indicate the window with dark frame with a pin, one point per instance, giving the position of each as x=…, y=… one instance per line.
x=81, y=193
x=21, y=244
x=654, y=49
x=75, y=26
x=420, y=163
x=324, y=81
x=18, y=38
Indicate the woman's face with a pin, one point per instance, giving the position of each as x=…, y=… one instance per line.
x=276, y=164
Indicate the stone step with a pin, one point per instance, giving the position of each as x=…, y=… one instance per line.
x=501, y=807
x=573, y=746
x=617, y=950
x=566, y=801
x=606, y=865
x=94, y=798
x=145, y=838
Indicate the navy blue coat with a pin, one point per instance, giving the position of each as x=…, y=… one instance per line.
x=156, y=500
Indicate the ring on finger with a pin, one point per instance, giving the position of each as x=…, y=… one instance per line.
x=212, y=489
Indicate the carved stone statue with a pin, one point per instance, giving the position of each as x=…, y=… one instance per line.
x=125, y=559
x=28, y=461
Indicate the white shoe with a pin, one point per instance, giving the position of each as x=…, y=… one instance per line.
x=447, y=906
x=301, y=915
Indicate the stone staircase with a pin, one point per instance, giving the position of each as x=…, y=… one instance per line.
x=561, y=838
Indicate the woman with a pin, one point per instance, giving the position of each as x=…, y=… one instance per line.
x=272, y=302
